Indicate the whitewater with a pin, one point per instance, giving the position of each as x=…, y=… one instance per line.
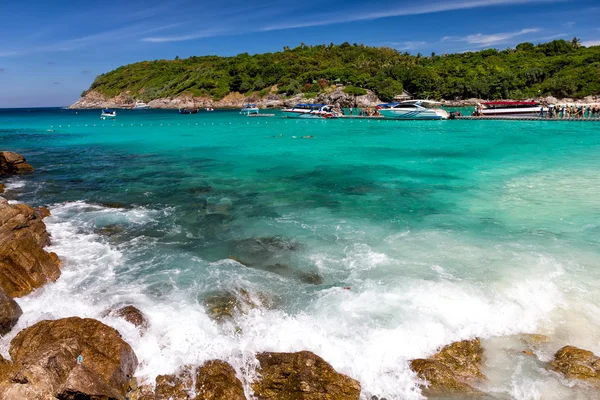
x=420, y=234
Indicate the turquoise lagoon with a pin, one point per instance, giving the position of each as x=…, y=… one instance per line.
x=442, y=230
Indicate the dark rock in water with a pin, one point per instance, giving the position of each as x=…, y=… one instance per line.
x=301, y=376
x=201, y=190
x=24, y=264
x=579, y=364
x=178, y=386
x=71, y=358
x=311, y=278
x=226, y=305
x=110, y=230
x=13, y=163
x=265, y=246
x=114, y=204
x=284, y=270
x=132, y=315
x=1, y=188
x=216, y=380
x=9, y=313
x=450, y=371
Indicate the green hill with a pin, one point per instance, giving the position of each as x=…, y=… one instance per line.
x=559, y=68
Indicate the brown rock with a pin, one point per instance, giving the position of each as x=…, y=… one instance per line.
x=143, y=392
x=575, y=363
x=5, y=368
x=42, y=212
x=24, y=265
x=450, y=371
x=1, y=188
x=216, y=380
x=45, y=358
x=179, y=386
x=9, y=313
x=132, y=315
x=226, y=305
x=13, y=163
x=301, y=376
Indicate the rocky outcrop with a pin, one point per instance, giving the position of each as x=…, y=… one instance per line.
x=178, y=386
x=227, y=305
x=132, y=315
x=2, y=188
x=9, y=313
x=577, y=364
x=13, y=163
x=71, y=358
x=216, y=380
x=301, y=376
x=24, y=264
x=451, y=371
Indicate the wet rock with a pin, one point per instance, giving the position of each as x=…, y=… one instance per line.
x=113, y=204
x=178, y=386
x=579, y=364
x=132, y=315
x=70, y=358
x=226, y=305
x=110, y=230
x=265, y=247
x=42, y=212
x=5, y=369
x=311, y=278
x=9, y=313
x=142, y=392
x=451, y=371
x=13, y=163
x=216, y=380
x=24, y=264
x=301, y=376
x=1, y=188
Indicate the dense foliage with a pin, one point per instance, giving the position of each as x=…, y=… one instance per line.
x=560, y=68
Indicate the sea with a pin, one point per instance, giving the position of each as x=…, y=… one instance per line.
x=367, y=242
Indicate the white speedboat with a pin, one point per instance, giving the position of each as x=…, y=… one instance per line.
x=140, y=105
x=310, y=111
x=249, y=109
x=108, y=114
x=413, y=110
x=509, y=109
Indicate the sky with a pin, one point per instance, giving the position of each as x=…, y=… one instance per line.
x=51, y=51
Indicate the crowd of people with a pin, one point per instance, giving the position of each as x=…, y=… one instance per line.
x=572, y=112
x=365, y=112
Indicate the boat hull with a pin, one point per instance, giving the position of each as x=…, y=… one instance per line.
x=514, y=112
x=248, y=111
x=305, y=115
x=412, y=114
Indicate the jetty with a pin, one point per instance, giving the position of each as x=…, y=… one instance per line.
x=260, y=115
x=361, y=117
x=472, y=118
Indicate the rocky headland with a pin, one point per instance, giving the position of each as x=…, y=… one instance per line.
x=84, y=359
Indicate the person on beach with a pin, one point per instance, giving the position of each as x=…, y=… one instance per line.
x=351, y=110
x=595, y=111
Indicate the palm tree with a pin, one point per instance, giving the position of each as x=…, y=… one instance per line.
x=576, y=43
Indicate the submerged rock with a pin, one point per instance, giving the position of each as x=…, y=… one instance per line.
x=226, y=305
x=266, y=246
x=24, y=264
x=9, y=313
x=301, y=376
x=110, y=230
x=579, y=364
x=450, y=371
x=132, y=315
x=70, y=358
x=13, y=163
x=216, y=380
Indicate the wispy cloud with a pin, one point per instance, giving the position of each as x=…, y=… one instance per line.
x=552, y=37
x=590, y=43
x=181, y=38
x=485, y=40
x=405, y=10
x=406, y=45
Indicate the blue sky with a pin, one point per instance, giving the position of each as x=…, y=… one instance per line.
x=52, y=50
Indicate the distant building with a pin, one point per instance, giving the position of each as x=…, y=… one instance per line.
x=404, y=96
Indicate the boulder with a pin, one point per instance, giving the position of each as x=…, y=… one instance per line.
x=1, y=188
x=216, y=380
x=42, y=212
x=178, y=386
x=451, y=371
x=575, y=363
x=225, y=306
x=70, y=358
x=24, y=264
x=9, y=313
x=132, y=315
x=5, y=369
x=301, y=376
x=13, y=163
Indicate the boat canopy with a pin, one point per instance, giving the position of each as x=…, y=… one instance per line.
x=250, y=105
x=388, y=105
x=310, y=105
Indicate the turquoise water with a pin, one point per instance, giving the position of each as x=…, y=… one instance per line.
x=442, y=230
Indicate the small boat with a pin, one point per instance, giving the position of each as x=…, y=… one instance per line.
x=509, y=108
x=140, y=105
x=210, y=109
x=413, y=110
x=310, y=111
x=188, y=111
x=108, y=114
x=249, y=109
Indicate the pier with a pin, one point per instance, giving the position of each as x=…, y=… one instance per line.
x=361, y=117
x=471, y=118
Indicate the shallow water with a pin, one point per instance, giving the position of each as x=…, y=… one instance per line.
x=442, y=230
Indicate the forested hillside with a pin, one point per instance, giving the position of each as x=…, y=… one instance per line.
x=559, y=68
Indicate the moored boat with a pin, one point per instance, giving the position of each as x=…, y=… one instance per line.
x=140, y=105
x=509, y=108
x=188, y=111
x=108, y=114
x=249, y=109
x=413, y=110
x=310, y=111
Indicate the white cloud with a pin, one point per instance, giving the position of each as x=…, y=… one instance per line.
x=180, y=38
x=485, y=40
x=590, y=43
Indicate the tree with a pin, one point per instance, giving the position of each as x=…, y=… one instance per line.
x=576, y=43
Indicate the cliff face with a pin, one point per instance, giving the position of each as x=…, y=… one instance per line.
x=337, y=97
